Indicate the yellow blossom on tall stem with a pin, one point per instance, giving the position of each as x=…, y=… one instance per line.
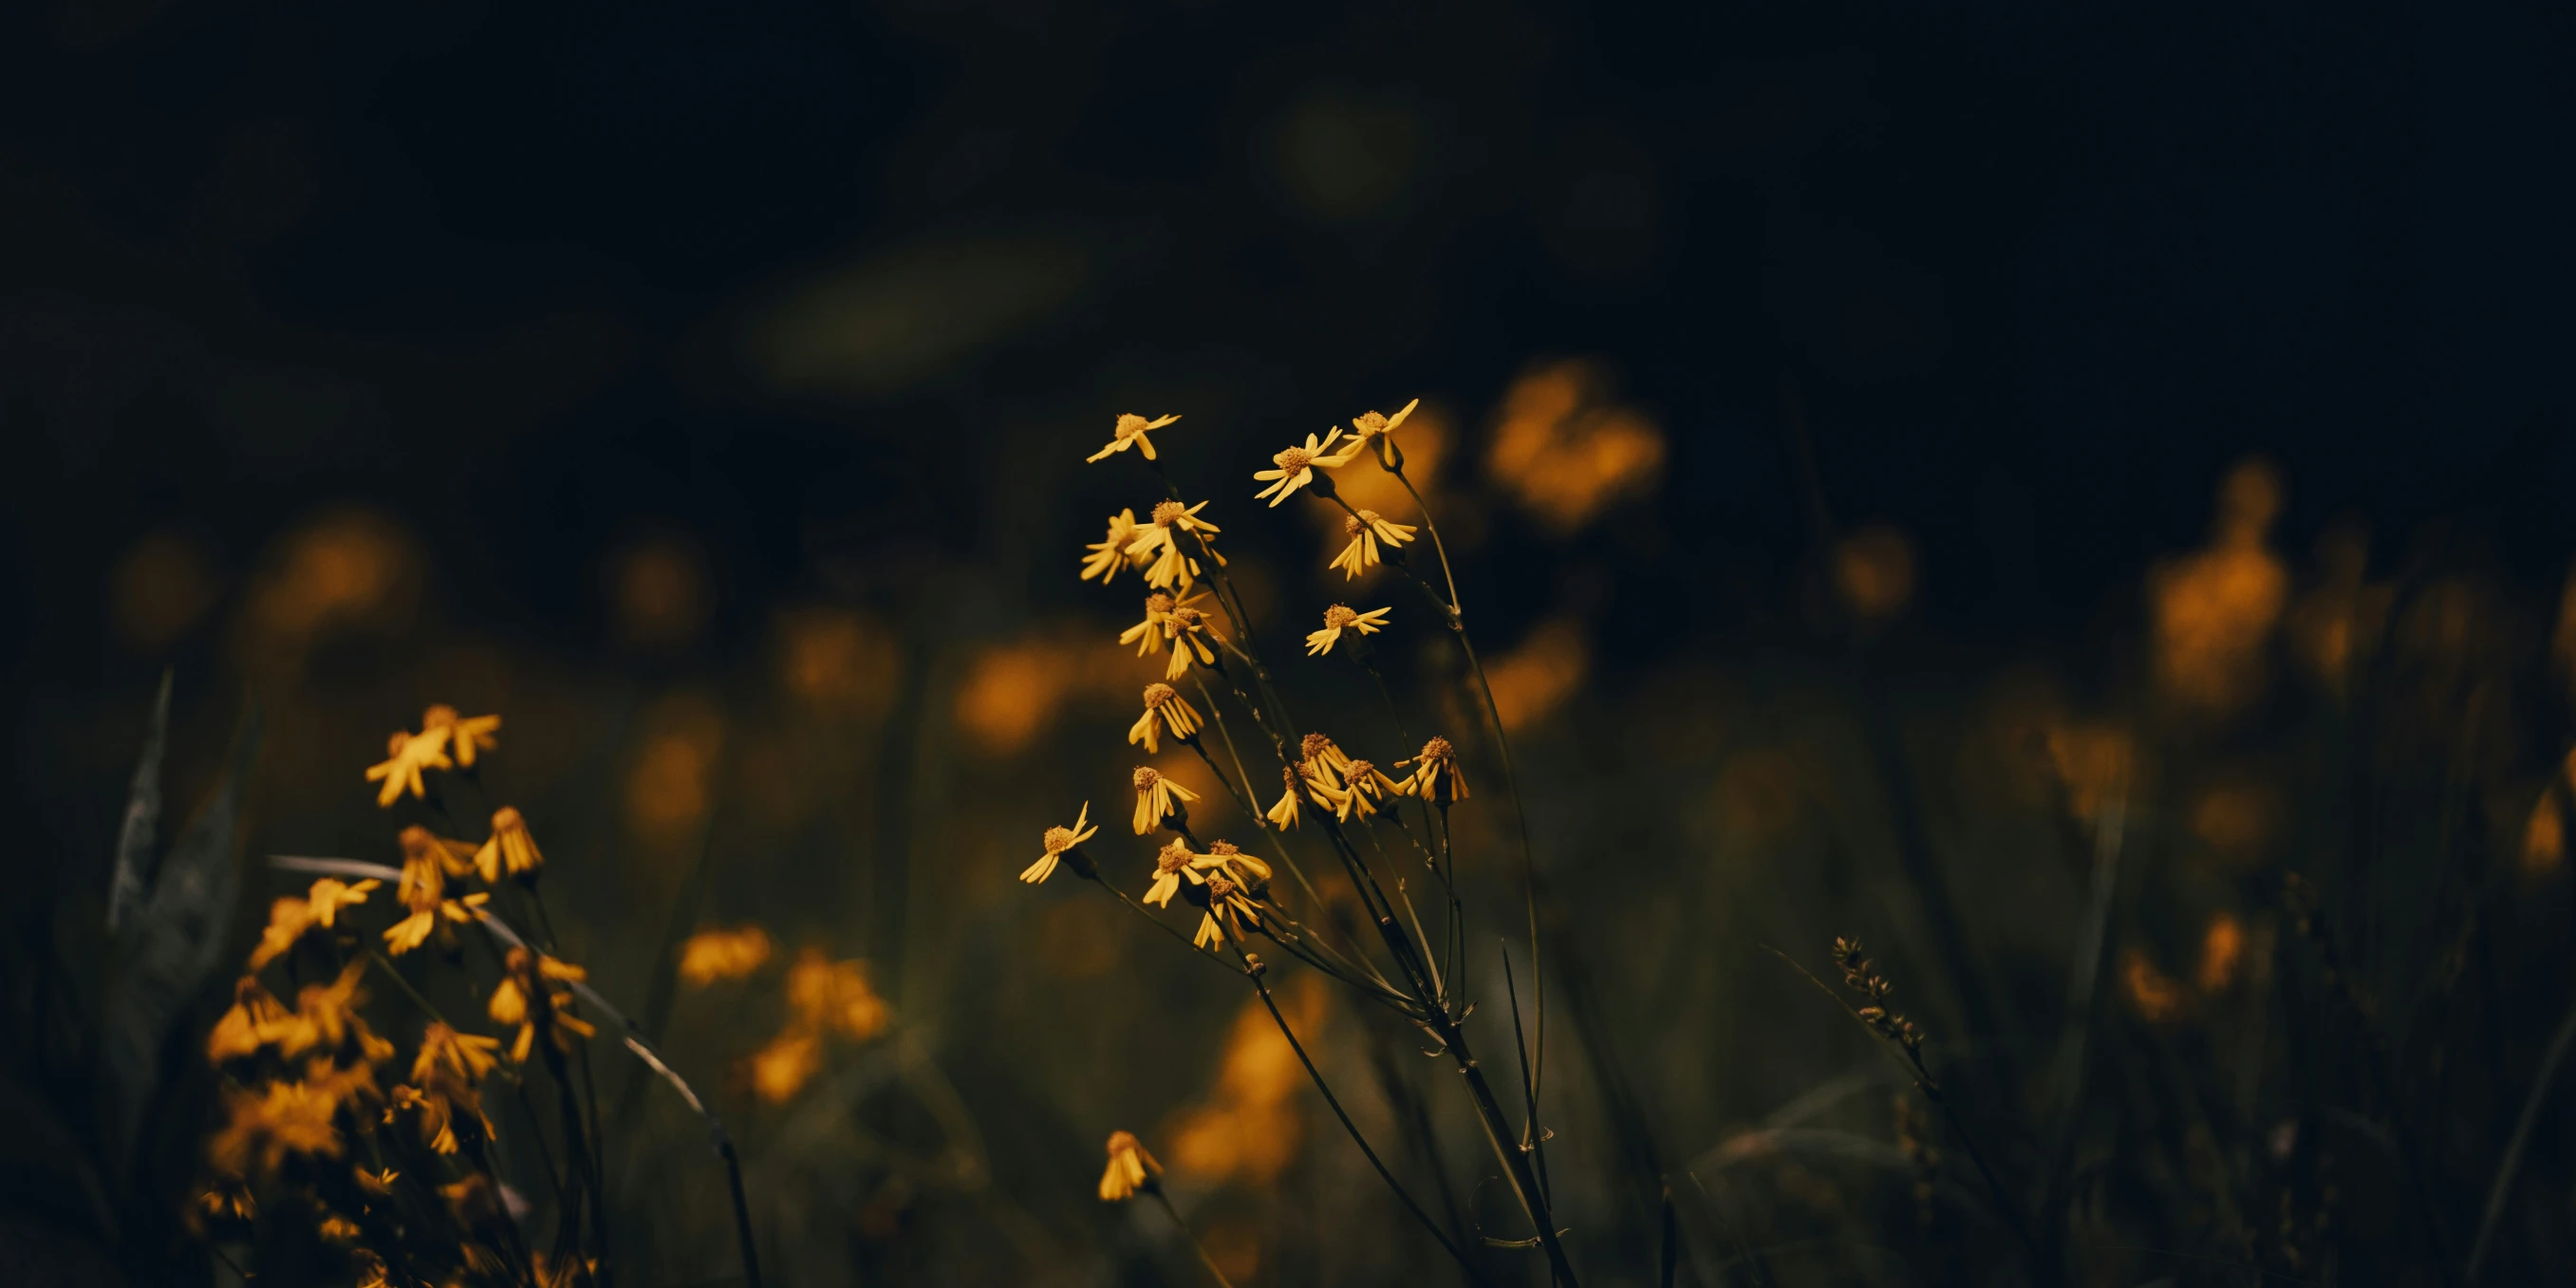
x=510, y=846
x=465, y=737
x=1156, y=798
x=716, y=954
x=1109, y=554
x=406, y=755
x=1436, y=776
x=423, y=889
x=444, y=1052
x=1165, y=708
x=1227, y=909
x=1364, y=788
x=1372, y=430
x=255, y=1020
x=1160, y=541
x=1148, y=634
x=1327, y=756
x=1340, y=618
x=1366, y=530
x=329, y=895
x=1299, y=467
x=1063, y=846
x=1131, y=431
x=528, y=988
x=1130, y=1169
x=1170, y=865
x=1230, y=858
x=1188, y=630
x=288, y=919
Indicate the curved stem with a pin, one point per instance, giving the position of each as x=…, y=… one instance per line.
x=1456, y=609
x=1195, y=1246
x=2512, y=1164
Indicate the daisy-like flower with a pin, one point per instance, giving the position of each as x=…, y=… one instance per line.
x=1227, y=909
x=423, y=890
x=1364, y=789
x=1340, y=618
x=1061, y=847
x=255, y=1020
x=1174, y=862
x=527, y=997
x=1242, y=867
x=1187, y=629
x=1378, y=432
x=1110, y=554
x=422, y=846
x=1131, y=432
x=1297, y=466
x=1326, y=755
x=330, y=895
x=510, y=846
x=1147, y=635
x=1436, y=776
x=406, y=755
x=1366, y=530
x=288, y=919
x=329, y=1014
x=446, y=1053
x=1165, y=708
x=1130, y=1169
x=464, y=737
x=1284, y=814
x=1156, y=798
x=1160, y=541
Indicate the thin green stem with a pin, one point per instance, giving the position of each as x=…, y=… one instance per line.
x=1204, y=1259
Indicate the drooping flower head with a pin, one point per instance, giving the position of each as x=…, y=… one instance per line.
x=1131, y=432
x=1147, y=635
x=1062, y=847
x=465, y=737
x=510, y=846
x=1172, y=863
x=406, y=755
x=1378, y=432
x=1160, y=541
x=1165, y=710
x=1109, y=554
x=1299, y=467
x=1156, y=798
x=1130, y=1169
x=1188, y=630
x=1340, y=618
x=1436, y=776
x=1366, y=529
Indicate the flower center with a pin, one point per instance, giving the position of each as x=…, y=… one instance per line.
x=1293, y=461
x=1223, y=847
x=507, y=819
x=1316, y=744
x=1173, y=858
x=1351, y=523
x=1167, y=513
x=1339, y=616
x=1146, y=777
x=1059, y=840
x=1219, y=888
x=1438, y=749
x=1369, y=423
x=1130, y=425
x=1157, y=694
x=1360, y=770
x=1187, y=619
x=1158, y=604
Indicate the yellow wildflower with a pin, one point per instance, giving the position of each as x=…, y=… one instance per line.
x=1339, y=618
x=1187, y=629
x=1170, y=865
x=421, y=846
x=1109, y=554
x=1297, y=466
x=1366, y=530
x=406, y=755
x=464, y=737
x=1061, y=843
x=446, y=1053
x=1165, y=708
x=371, y=1270
x=1159, y=540
x=1156, y=798
x=1374, y=430
x=440, y=1108
x=717, y=954
x=380, y=1184
x=423, y=890
x=336, y=1228
x=1242, y=867
x=1364, y=788
x=1326, y=757
x=1284, y=814
x=1147, y=635
x=1226, y=910
x=782, y=1068
x=1436, y=776
x=328, y=1015
x=255, y=1020
x=1131, y=431
x=329, y=895
x=263, y=1126
x=527, y=996
x=1130, y=1169
x=288, y=919
x=510, y=846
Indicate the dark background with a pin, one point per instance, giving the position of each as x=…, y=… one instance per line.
x=825, y=305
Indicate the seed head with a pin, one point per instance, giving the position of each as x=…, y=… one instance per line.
x=1316, y=744
x=1220, y=888
x=1360, y=770
x=1158, y=604
x=1130, y=425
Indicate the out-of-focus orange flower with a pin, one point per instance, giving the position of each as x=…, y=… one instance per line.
x=1250, y=1127
x=1531, y=681
x=1012, y=692
x=2236, y=819
x=1874, y=572
x=2215, y=610
x=667, y=790
x=2094, y=762
x=347, y=568
x=2562, y=641
x=1564, y=451
x=657, y=589
x=836, y=660
x=2544, y=837
x=835, y=995
x=2222, y=950
x=782, y=1068
x=715, y=954
x=2157, y=997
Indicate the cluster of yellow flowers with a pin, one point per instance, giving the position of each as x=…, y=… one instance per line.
x=305, y=1110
